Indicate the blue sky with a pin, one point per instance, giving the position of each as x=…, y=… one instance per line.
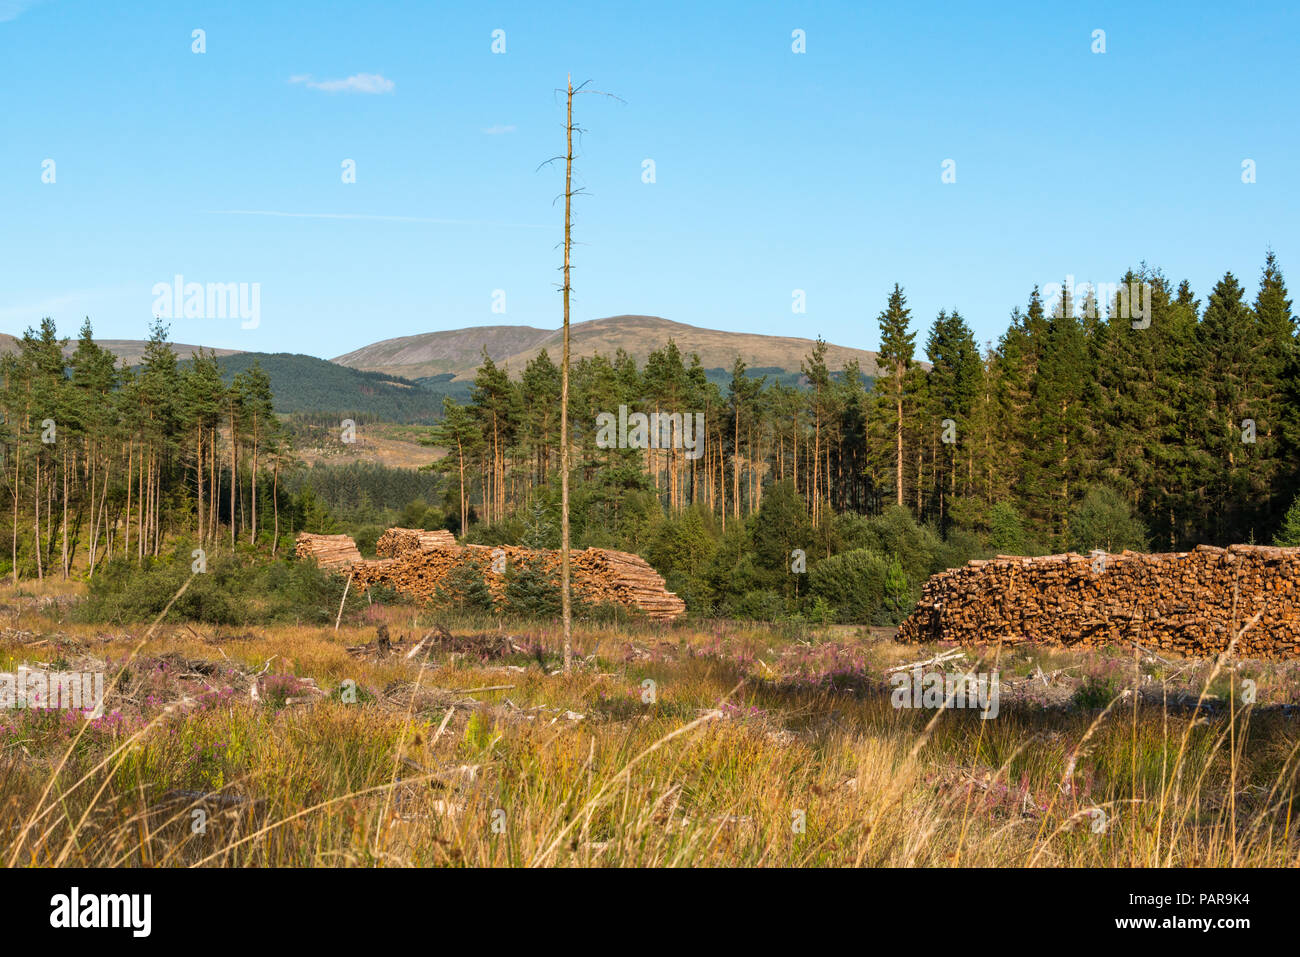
x=775, y=171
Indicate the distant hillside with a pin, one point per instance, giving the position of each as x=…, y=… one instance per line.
x=458, y=351
x=129, y=352
x=435, y=353
x=307, y=384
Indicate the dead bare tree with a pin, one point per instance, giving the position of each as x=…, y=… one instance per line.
x=566, y=600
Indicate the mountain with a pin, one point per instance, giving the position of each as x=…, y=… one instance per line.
x=129, y=352
x=436, y=353
x=458, y=351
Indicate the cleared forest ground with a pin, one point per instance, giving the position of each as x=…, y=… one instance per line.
x=697, y=744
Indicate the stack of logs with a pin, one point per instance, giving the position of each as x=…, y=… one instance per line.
x=330, y=551
x=1191, y=603
x=416, y=565
x=402, y=541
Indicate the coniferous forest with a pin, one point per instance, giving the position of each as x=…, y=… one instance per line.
x=1078, y=428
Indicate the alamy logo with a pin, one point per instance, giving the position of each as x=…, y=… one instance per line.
x=48, y=690
x=134, y=911
x=657, y=430
x=215, y=300
x=935, y=689
x=1124, y=301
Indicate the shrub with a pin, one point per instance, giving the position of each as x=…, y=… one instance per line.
x=853, y=583
x=465, y=589
x=530, y=592
x=899, y=597
x=916, y=547
x=234, y=590
x=761, y=604
x=122, y=591
x=1096, y=691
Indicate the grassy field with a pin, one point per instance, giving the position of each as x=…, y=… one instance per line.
x=712, y=744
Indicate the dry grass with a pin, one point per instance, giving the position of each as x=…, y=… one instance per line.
x=756, y=750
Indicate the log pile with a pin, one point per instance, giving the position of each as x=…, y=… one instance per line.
x=1190, y=603
x=417, y=565
x=400, y=541
x=330, y=551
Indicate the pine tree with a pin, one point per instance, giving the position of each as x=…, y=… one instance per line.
x=1053, y=461
x=1229, y=342
x=1278, y=353
x=897, y=346
x=458, y=433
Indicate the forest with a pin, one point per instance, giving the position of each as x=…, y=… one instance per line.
x=829, y=499
x=1078, y=429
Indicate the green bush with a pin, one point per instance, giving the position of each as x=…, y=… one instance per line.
x=761, y=604
x=1096, y=691
x=917, y=547
x=123, y=591
x=465, y=589
x=853, y=584
x=234, y=590
x=530, y=592
x=366, y=537
x=900, y=595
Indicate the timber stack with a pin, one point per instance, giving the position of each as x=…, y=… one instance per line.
x=330, y=551
x=1189, y=603
x=397, y=542
x=416, y=565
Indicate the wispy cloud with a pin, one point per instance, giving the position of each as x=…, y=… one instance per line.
x=357, y=83
x=498, y=130
x=13, y=9
x=374, y=217
x=68, y=307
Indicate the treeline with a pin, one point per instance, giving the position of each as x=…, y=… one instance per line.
x=100, y=463
x=1186, y=417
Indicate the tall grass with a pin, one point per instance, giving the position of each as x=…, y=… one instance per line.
x=753, y=750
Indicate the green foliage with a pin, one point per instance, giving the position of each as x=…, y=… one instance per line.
x=464, y=588
x=308, y=384
x=235, y=590
x=509, y=531
x=761, y=604
x=311, y=514
x=1096, y=691
x=1288, y=536
x=852, y=584
x=682, y=550
x=899, y=597
x=1105, y=520
x=1007, y=534
x=781, y=525
x=530, y=592
x=542, y=525
x=344, y=488
x=478, y=734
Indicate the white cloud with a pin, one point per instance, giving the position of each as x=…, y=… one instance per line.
x=357, y=83
x=498, y=130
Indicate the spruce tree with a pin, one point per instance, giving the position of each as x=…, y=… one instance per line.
x=897, y=346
